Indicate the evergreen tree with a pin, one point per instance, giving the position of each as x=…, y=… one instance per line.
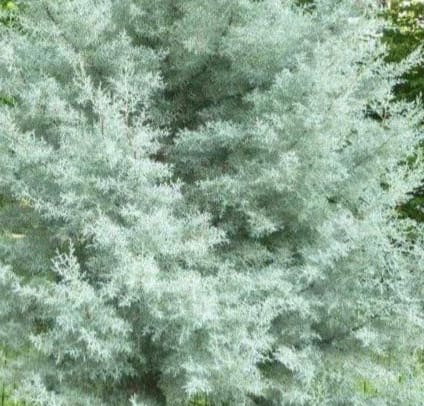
x=105, y=271
x=198, y=201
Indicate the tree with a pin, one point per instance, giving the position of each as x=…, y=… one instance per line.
x=102, y=262
x=200, y=204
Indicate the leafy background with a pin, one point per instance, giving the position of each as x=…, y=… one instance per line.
x=406, y=34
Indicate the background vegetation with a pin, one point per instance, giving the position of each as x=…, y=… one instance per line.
x=405, y=35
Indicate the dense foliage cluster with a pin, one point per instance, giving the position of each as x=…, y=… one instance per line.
x=198, y=201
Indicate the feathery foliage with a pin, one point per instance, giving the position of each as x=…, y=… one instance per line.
x=201, y=205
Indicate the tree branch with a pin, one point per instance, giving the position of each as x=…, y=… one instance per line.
x=61, y=33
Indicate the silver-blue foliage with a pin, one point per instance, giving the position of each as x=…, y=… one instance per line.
x=199, y=198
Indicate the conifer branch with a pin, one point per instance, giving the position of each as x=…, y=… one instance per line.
x=61, y=33
x=343, y=335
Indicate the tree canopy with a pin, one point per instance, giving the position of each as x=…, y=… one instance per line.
x=201, y=204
